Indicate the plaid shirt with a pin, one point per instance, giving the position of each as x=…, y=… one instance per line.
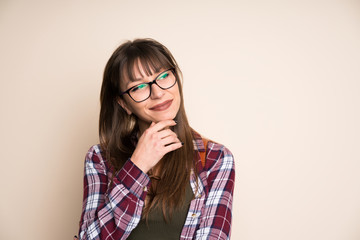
x=112, y=213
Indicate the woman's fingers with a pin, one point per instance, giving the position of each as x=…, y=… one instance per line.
x=173, y=147
x=154, y=143
x=165, y=133
x=161, y=125
x=166, y=137
x=169, y=140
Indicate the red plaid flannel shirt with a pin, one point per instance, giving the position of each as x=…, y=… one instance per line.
x=112, y=213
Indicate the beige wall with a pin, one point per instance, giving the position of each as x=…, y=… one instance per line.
x=278, y=82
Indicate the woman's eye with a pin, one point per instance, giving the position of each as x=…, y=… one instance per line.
x=139, y=87
x=165, y=75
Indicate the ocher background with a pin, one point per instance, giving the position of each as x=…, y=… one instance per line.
x=277, y=82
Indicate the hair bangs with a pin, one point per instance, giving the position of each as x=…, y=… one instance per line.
x=145, y=61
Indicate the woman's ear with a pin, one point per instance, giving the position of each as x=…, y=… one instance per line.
x=124, y=106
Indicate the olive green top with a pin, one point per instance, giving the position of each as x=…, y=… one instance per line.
x=155, y=228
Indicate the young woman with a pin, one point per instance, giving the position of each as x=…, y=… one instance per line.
x=152, y=176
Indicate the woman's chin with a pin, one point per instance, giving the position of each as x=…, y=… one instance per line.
x=164, y=117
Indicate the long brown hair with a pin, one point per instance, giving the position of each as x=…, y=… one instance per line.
x=118, y=130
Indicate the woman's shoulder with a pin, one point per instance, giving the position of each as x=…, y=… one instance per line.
x=219, y=154
x=214, y=151
x=95, y=155
x=95, y=159
x=202, y=142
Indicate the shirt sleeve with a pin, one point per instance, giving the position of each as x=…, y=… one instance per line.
x=216, y=215
x=111, y=211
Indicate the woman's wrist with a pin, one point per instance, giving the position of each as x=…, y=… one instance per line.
x=140, y=164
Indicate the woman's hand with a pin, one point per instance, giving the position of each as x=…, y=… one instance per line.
x=154, y=143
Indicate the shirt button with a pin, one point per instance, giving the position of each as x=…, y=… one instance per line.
x=145, y=189
x=194, y=215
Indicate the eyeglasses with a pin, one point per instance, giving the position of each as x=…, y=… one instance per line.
x=142, y=91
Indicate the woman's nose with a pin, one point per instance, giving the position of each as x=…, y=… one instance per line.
x=156, y=92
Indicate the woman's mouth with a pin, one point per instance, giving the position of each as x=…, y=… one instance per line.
x=162, y=106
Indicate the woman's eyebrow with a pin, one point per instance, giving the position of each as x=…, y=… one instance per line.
x=154, y=75
x=133, y=83
x=136, y=81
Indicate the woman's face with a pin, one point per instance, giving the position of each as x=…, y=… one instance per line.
x=161, y=105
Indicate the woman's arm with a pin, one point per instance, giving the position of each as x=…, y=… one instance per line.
x=111, y=213
x=215, y=222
